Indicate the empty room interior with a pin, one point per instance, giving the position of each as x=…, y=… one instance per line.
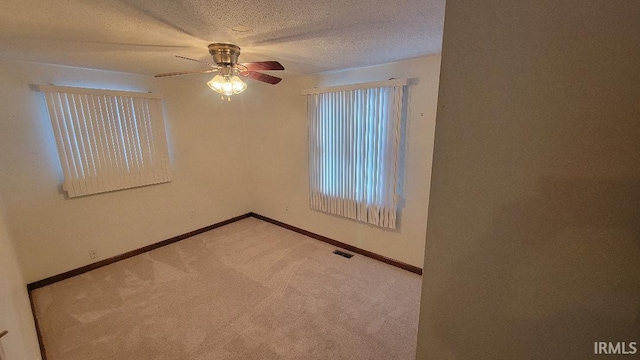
x=319, y=180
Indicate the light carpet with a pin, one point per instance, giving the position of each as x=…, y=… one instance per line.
x=247, y=290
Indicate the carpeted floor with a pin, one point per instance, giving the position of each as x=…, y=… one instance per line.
x=248, y=290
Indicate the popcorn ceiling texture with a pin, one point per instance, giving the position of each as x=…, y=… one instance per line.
x=141, y=36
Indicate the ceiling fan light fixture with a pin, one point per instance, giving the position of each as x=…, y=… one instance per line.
x=238, y=85
x=227, y=82
x=225, y=63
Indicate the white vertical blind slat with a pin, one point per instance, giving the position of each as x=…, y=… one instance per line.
x=89, y=137
x=78, y=142
x=143, y=145
x=96, y=138
x=312, y=113
x=69, y=144
x=59, y=132
x=109, y=136
x=135, y=173
x=128, y=146
x=113, y=119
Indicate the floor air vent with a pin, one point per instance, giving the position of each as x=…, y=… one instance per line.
x=343, y=254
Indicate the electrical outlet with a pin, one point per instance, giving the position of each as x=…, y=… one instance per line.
x=192, y=214
x=286, y=208
x=93, y=254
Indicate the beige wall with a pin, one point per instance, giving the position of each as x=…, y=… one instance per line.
x=210, y=142
x=15, y=311
x=278, y=148
x=53, y=234
x=533, y=239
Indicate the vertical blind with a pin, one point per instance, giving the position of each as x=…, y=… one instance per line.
x=107, y=140
x=354, y=139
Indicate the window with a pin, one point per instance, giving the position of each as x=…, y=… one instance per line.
x=354, y=140
x=107, y=140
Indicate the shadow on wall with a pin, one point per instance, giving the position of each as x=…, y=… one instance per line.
x=560, y=271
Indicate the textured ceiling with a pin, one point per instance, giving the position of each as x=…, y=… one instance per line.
x=142, y=36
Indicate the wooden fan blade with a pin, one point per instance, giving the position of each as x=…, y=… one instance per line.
x=261, y=77
x=204, y=71
x=190, y=59
x=263, y=65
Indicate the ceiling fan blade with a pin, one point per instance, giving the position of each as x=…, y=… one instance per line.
x=263, y=65
x=203, y=71
x=261, y=77
x=203, y=62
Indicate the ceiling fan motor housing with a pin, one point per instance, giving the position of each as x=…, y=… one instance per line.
x=224, y=54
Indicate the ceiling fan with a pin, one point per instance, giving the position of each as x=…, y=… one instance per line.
x=225, y=63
